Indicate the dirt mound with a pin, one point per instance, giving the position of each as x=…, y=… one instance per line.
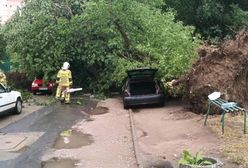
x=221, y=68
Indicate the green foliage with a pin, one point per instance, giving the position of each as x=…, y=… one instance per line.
x=213, y=19
x=100, y=38
x=197, y=160
x=26, y=95
x=154, y=3
x=239, y=17
x=18, y=80
x=3, y=45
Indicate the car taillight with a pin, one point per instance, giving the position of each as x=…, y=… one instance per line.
x=127, y=93
x=50, y=85
x=34, y=84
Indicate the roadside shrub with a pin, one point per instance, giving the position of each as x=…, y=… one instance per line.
x=18, y=80
x=26, y=95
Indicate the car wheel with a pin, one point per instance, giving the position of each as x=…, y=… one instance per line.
x=161, y=104
x=125, y=106
x=18, y=106
x=34, y=93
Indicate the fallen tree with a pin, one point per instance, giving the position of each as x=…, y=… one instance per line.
x=100, y=38
x=222, y=68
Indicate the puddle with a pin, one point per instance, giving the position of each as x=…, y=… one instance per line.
x=59, y=163
x=72, y=139
x=90, y=104
x=99, y=110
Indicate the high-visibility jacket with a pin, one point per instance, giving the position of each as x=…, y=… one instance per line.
x=64, y=78
x=3, y=78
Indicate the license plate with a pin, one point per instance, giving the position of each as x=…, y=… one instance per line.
x=42, y=88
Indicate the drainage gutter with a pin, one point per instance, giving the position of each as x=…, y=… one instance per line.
x=134, y=140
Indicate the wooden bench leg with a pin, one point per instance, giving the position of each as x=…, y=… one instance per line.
x=223, y=122
x=208, y=112
x=244, y=122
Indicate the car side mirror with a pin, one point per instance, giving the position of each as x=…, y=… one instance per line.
x=8, y=89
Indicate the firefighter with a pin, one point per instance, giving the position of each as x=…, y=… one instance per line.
x=64, y=81
x=3, y=78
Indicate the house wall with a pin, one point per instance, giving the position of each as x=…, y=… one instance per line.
x=7, y=9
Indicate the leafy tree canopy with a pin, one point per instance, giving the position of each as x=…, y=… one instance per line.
x=213, y=19
x=100, y=38
x=2, y=45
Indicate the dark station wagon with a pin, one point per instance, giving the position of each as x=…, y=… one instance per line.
x=141, y=87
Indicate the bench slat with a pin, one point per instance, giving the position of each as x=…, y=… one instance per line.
x=241, y=109
x=219, y=106
x=220, y=101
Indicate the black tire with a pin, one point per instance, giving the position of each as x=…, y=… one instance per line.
x=18, y=106
x=125, y=106
x=34, y=93
x=161, y=104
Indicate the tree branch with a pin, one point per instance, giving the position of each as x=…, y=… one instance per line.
x=130, y=51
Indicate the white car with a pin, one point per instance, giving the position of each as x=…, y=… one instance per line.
x=10, y=101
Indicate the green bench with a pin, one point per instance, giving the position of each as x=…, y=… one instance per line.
x=226, y=109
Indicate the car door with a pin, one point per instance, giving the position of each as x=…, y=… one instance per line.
x=6, y=100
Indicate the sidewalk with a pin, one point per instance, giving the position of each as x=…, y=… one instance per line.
x=139, y=138
x=163, y=133
x=112, y=145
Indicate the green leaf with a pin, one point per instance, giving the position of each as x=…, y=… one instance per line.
x=188, y=159
x=100, y=38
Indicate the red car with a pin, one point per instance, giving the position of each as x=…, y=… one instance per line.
x=38, y=85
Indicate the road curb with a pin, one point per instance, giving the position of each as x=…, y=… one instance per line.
x=134, y=140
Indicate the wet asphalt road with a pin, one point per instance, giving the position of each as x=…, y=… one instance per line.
x=52, y=120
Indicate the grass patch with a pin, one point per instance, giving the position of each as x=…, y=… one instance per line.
x=238, y=160
x=26, y=95
x=235, y=142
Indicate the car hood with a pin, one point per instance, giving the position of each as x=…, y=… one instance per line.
x=141, y=73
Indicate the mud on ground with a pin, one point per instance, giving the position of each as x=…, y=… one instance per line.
x=223, y=68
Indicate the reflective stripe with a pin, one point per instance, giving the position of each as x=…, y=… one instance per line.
x=64, y=77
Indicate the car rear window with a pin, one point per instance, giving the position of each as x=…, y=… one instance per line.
x=141, y=73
